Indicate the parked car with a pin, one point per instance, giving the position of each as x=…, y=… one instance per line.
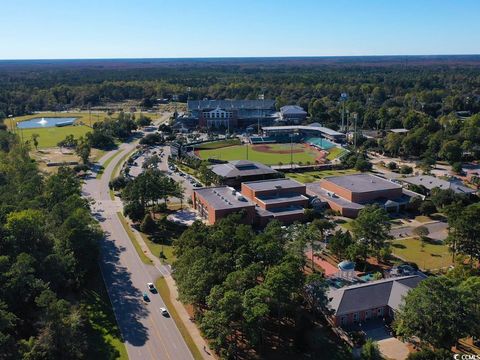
x=145, y=296
x=163, y=311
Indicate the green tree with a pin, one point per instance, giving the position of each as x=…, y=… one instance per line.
x=451, y=151
x=83, y=149
x=370, y=351
x=35, y=137
x=437, y=312
x=372, y=227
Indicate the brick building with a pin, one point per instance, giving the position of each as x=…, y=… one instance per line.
x=230, y=114
x=371, y=300
x=215, y=203
x=281, y=199
x=349, y=194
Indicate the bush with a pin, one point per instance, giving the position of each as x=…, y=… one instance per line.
x=427, y=207
x=363, y=165
x=148, y=224
x=134, y=211
x=370, y=351
x=392, y=165
x=118, y=183
x=405, y=169
x=457, y=168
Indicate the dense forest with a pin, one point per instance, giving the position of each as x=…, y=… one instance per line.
x=48, y=252
x=380, y=92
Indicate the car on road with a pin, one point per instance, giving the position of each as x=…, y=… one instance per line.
x=145, y=296
x=163, y=311
x=151, y=287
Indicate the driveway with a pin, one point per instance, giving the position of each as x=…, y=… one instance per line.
x=389, y=346
x=437, y=231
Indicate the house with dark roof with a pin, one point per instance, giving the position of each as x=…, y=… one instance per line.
x=371, y=300
x=233, y=173
x=431, y=182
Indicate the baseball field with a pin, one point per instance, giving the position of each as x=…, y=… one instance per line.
x=269, y=154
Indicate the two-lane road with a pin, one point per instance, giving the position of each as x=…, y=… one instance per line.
x=147, y=333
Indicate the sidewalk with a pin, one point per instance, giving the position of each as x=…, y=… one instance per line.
x=164, y=270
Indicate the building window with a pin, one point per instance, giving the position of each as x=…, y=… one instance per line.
x=355, y=317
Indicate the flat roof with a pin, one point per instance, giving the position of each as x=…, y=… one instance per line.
x=321, y=129
x=361, y=183
x=283, y=198
x=315, y=189
x=262, y=185
x=279, y=212
x=223, y=197
x=236, y=168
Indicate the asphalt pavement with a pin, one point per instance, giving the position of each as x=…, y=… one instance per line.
x=146, y=332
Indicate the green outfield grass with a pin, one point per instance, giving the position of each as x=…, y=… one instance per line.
x=217, y=144
x=335, y=152
x=239, y=152
x=311, y=176
x=51, y=136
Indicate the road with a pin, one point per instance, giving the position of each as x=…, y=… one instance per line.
x=147, y=334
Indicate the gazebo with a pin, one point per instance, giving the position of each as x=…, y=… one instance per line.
x=346, y=269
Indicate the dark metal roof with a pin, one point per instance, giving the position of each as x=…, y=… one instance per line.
x=240, y=168
x=372, y=294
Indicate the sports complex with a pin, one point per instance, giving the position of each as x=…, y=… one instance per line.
x=308, y=151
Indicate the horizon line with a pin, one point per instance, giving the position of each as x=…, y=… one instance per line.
x=240, y=57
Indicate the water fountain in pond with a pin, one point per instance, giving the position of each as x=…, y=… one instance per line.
x=43, y=121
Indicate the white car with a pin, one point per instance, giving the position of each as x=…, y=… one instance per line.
x=163, y=311
x=151, y=287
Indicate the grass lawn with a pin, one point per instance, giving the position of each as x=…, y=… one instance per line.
x=51, y=136
x=157, y=248
x=164, y=292
x=311, y=176
x=145, y=259
x=103, y=333
x=217, y=144
x=239, y=152
x=105, y=164
x=335, y=152
x=432, y=256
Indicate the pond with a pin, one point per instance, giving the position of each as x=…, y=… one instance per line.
x=45, y=122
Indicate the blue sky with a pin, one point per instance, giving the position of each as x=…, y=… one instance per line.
x=39, y=29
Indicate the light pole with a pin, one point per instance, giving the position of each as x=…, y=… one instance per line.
x=343, y=98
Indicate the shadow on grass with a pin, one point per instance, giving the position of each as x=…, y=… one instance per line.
x=398, y=246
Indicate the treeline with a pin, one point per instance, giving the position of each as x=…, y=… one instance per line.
x=246, y=287
x=381, y=95
x=48, y=252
